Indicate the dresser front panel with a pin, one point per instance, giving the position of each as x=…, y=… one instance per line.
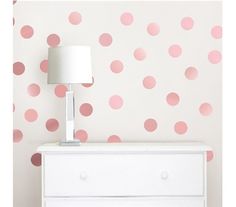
x=123, y=175
x=125, y=202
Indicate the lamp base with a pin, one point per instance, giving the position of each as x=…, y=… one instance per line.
x=70, y=143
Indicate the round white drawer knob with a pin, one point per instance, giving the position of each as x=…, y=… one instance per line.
x=164, y=175
x=83, y=176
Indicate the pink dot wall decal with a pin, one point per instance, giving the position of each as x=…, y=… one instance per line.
x=14, y=1
x=36, y=159
x=149, y=82
x=113, y=139
x=191, y=73
x=87, y=85
x=181, y=127
x=116, y=102
x=60, y=91
x=52, y=125
x=53, y=40
x=139, y=54
x=214, y=57
x=86, y=109
x=33, y=89
x=31, y=115
x=205, y=109
x=82, y=135
x=105, y=39
x=75, y=18
x=26, y=31
x=18, y=68
x=175, y=51
x=210, y=156
x=172, y=99
x=44, y=66
x=150, y=125
x=14, y=108
x=187, y=23
x=116, y=66
x=13, y=21
x=17, y=135
x=216, y=32
x=126, y=18
x=153, y=29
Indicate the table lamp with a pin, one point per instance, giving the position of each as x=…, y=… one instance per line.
x=68, y=65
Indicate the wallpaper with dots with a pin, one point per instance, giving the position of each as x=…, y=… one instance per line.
x=156, y=77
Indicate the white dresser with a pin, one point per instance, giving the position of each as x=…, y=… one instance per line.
x=124, y=175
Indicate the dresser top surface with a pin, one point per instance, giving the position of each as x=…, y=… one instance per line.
x=126, y=147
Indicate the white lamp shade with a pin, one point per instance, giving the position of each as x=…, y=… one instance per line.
x=69, y=64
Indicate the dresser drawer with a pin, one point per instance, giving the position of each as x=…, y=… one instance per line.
x=123, y=174
x=125, y=202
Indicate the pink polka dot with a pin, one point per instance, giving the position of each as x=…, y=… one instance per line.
x=139, y=54
x=75, y=18
x=60, y=91
x=181, y=127
x=14, y=1
x=214, y=57
x=191, y=73
x=27, y=31
x=153, y=29
x=126, y=18
x=210, y=156
x=86, y=109
x=31, y=115
x=216, y=32
x=33, y=90
x=205, y=109
x=44, y=66
x=105, y=39
x=149, y=82
x=17, y=135
x=116, y=102
x=87, y=85
x=175, y=51
x=36, y=159
x=52, y=125
x=18, y=68
x=14, y=107
x=172, y=99
x=53, y=40
x=150, y=125
x=187, y=23
x=82, y=135
x=113, y=139
x=13, y=21
x=116, y=66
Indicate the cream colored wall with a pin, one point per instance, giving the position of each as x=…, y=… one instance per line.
x=139, y=103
